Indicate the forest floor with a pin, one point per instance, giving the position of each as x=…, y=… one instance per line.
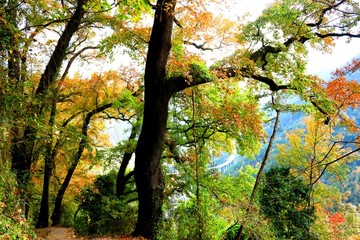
x=62, y=233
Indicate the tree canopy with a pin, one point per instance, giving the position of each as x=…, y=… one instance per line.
x=186, y=83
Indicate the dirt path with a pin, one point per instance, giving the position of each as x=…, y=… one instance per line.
x=56, y=233
x=61, y=233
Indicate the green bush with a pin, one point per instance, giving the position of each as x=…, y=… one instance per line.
x=284, y=199
x=13, y=224
x=190, y=220
x=231, y=234
x=67, y=213
x=101, y=212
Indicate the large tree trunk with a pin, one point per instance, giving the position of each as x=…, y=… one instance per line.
x=22, y=146
x=148, y=174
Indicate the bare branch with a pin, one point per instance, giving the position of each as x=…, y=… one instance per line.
x=337, y=35
x=72, y=59
x=334, y=161
x=200, y=46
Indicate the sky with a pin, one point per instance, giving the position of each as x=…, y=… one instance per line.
x=324, y=63
x=319, y=63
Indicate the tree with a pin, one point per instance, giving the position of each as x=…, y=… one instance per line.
x=76, y=158
x=314, y=152
x=261, y=170
x=283, y=198
x=23, y=145
x=344, y=91
x=95, y=102
x=319, y=157
x=148, y=176
x=292, y=23
x=30, y=86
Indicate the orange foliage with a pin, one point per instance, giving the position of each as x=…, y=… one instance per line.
x=336, y=220
x=345, y=93
x=349, y=68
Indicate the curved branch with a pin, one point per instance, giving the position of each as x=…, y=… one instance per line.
x=72, y=59
x=270, y=82
x=334, y=161
x=262, y=52
x=322, y=14
x=199, y=46
x=58, y=56
x=351, y=35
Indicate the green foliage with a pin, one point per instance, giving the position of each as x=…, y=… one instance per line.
x=199, y=71
x=69, y=207
x=351, y=187
x=225, y=117
x=231, y=234
x=101, y=212
x=128, y=102
x=193, y=219
x=13, y=224
x=284, y=200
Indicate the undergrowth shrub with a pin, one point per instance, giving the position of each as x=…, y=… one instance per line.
x=13, y=224
x=100, y=212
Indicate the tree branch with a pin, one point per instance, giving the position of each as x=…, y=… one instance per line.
x=322, y=14
x=58, y=56
x=337, y=35
x=199, y=46
x=72, y=59
x=326, y=165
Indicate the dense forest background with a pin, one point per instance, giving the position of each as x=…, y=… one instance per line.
x=222, y=131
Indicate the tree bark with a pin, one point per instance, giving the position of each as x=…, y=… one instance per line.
x=22, y=146
x=59, y=54
x=148, y=175
x=43, y=219
x=20, y=160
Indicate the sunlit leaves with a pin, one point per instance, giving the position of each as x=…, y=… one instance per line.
x=222, y=114
x=346, y=94
x=200, y=29
x=315, y=152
